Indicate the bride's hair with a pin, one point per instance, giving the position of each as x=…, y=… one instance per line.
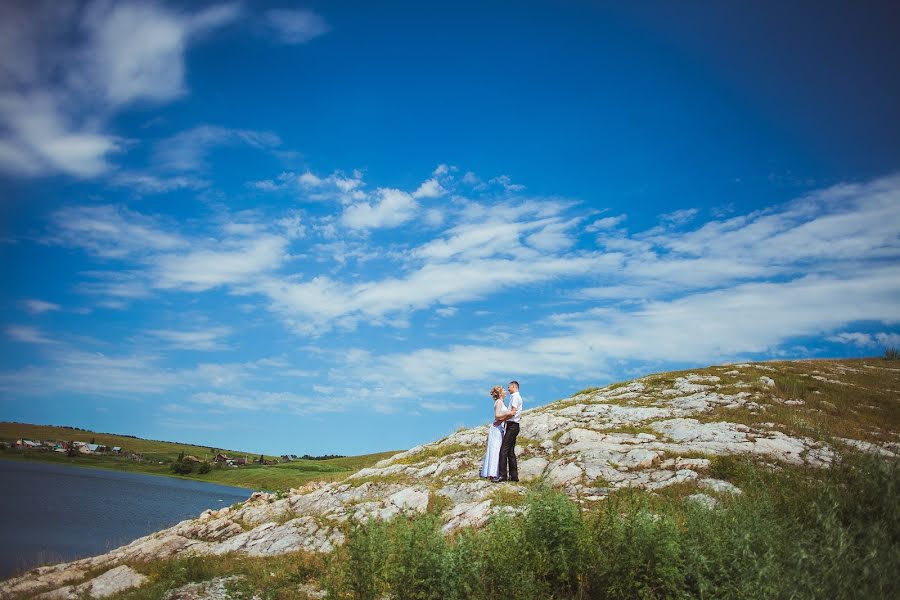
x=497, y=391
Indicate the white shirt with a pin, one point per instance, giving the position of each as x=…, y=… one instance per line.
x=515, y=403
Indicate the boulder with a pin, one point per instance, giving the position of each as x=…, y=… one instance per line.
x=532, y=468
x=561, y=474
x=410, y=499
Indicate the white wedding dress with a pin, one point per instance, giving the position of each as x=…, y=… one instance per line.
x=491, y=464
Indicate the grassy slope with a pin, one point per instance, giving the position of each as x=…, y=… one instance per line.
x=852, y=398
x=270, y=477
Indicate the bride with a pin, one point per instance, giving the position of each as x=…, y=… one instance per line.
x=491, y=462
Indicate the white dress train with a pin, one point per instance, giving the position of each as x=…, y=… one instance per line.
x=491, y=464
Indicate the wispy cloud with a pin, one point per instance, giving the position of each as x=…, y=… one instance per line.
x=212, y=338
x=868, y=340
x=110, y=55
x=188, y=150
x=111, y=231
x=37, y=307
x=295, y=26
x=28, y=335
x=390, y=209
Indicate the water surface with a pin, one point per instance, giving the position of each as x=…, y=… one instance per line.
x=53, y=513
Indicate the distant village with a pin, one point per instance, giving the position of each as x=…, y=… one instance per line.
x=85, y=448
x=65, y=447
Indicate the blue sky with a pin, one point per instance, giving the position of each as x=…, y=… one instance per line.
x=333, y=227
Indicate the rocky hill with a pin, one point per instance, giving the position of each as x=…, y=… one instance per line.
x=656, y=433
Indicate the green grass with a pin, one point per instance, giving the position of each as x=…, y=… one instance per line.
x=864, y=407
x=431, y=452
x=275, y=477
x=794, y=533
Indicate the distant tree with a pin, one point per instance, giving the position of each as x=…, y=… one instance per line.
x=204, y=468
x=93, y=440
x=182, y=467
x=181, y=456
x=72, y=451
x=262, y=460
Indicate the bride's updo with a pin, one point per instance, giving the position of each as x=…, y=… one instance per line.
x=497, y=392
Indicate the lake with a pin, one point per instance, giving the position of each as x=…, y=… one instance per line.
x=54, y=513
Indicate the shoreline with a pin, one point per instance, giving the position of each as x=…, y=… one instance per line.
x=25, y=458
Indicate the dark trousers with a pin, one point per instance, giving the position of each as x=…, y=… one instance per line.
x=508, y=453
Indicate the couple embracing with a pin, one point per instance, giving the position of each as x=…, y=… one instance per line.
x=499, y=462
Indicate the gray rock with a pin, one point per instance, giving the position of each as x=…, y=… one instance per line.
x=703, y=500
x=214, y=589
x=410, y=499
x=720, y=486
x=560, y=474
x=115, y=580
x=532, y=468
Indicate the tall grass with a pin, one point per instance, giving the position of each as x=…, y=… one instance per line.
x=792, y=534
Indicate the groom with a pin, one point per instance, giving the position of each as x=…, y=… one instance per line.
x=509, y=467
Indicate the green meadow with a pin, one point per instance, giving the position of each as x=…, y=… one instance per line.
x=157, y=458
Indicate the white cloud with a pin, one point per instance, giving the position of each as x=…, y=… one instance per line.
x=115, y=286
x=392, y=208
x=679, y=217
x=78, y=372
x=203, y=269
x=111, y=231
x=28, y=335
x=37, y=307
x=700, y=328
x=867, y=340
x=554, y=236
x=208, y=339
x=187, y=150
x=296, y=26
x=73, y=67
x=322, y=302
x=430, y=188
x=605, y=223
x=271, y=401
x=149, y=183
x=506, y=183
x=310, y=186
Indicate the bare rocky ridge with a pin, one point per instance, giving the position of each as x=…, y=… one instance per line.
x=650, y=433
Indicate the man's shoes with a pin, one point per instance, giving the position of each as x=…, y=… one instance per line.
x=499, y=479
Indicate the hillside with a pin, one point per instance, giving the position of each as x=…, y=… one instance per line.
x=686, y=437
x=157, y=456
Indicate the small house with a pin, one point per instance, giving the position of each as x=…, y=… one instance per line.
x=240, y=461
x=220, y=458
x=117, y=449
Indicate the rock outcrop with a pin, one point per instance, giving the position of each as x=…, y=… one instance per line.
x=650, y=433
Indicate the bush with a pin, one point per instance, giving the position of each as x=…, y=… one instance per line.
x=182, y=467
x=552, y=541
x=635, y=553
x=892, y=354
x=416, y=568
x=794, y=533
x=204, y=468
x=360, y=569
